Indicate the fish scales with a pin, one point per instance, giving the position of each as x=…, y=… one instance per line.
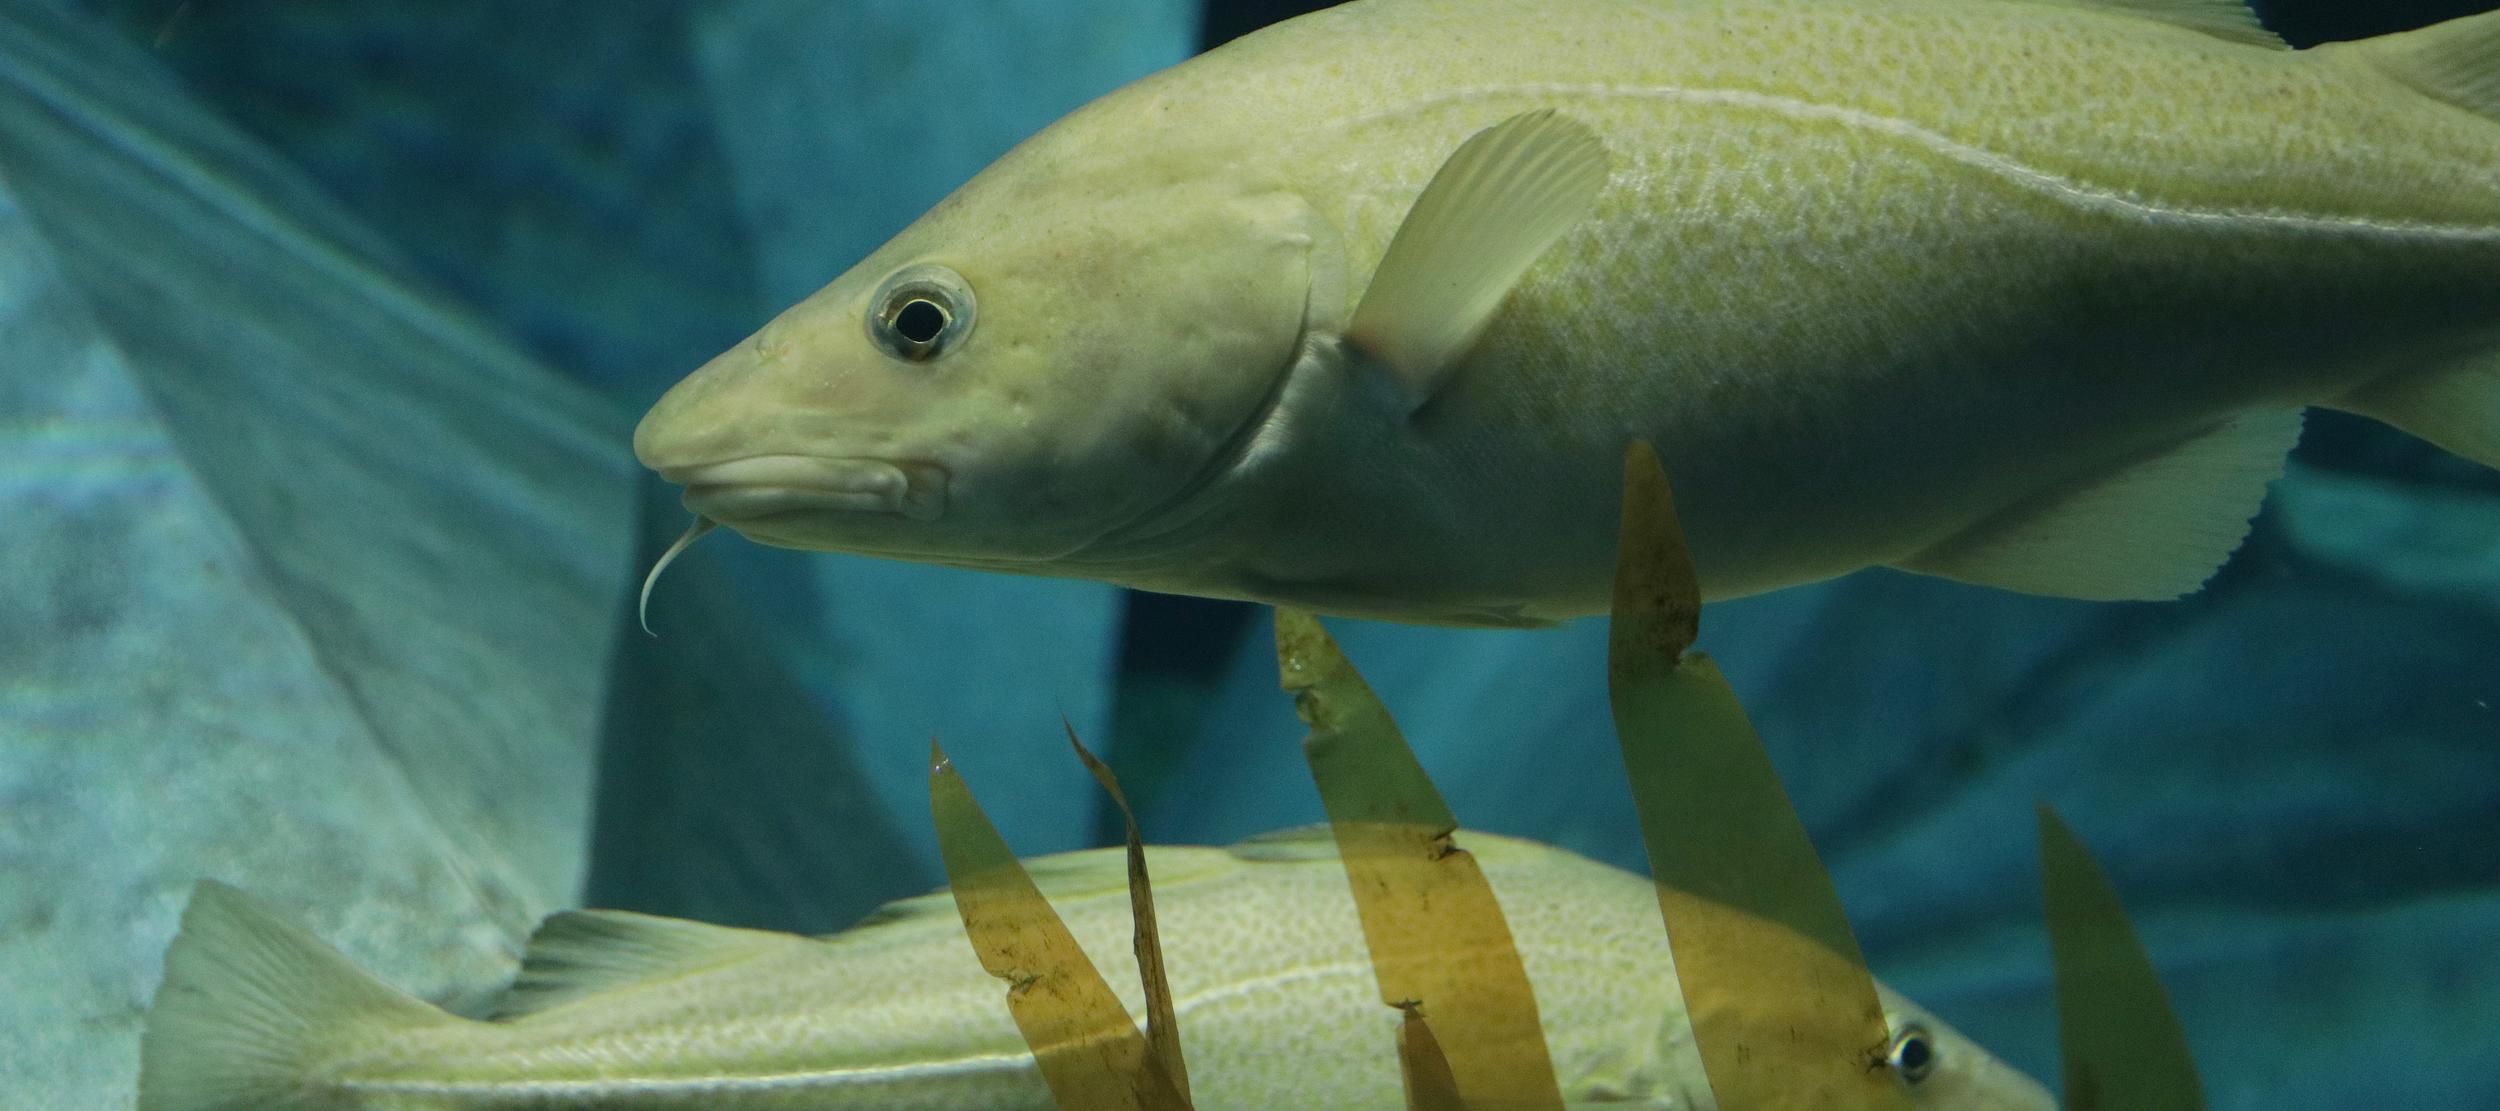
x=900, y=1015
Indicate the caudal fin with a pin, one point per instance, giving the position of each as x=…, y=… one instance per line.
x=250, y=1003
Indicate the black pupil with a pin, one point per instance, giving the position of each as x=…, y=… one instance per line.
x=1914, y=1055
x=920, y=320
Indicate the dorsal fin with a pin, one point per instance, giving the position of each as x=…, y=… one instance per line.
x=1317, y=842
x=906, y=909
x=2231, y=20
x=2457, y=61
x=1075, y=875
x=576, y=953
x=1311, y=842
x=1068, y=876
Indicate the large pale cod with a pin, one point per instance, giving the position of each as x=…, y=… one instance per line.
x=1357, y=314
x=1275, y=996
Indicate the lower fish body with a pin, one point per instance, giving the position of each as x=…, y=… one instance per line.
x=1274, y=993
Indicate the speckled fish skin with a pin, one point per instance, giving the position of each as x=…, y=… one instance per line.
x=1874, y=277
x=1276, y=1003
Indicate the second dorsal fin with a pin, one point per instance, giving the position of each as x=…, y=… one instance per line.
x=576, y=953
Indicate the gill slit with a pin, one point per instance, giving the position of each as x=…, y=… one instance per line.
x=1159, y=521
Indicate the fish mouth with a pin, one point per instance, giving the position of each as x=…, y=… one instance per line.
x=762, y=486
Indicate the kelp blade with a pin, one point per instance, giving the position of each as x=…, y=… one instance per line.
x=2122, y=1043
x=1784, y=1012
x=1437, y=938
x=1429, y=1085
x=1088, y=1047
x=1163, y=1031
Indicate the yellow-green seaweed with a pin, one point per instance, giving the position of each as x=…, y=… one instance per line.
x=2123, y=1047
x=1783, y=1008
x=1438, y=942
x=1085, y=1042
x=1163, y=1030
x=1423, y=1068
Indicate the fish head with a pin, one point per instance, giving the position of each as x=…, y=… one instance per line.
x=1946, y=1071
x=1060, y=349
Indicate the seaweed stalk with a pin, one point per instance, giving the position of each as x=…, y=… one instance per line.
x=1784, y=1011
x=1086, y=1043
x=1439, y=945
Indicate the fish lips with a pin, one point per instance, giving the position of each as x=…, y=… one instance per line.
x=765, y=486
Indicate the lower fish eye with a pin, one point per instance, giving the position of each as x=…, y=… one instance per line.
x=1912, y=1054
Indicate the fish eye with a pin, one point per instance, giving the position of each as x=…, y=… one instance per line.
x=1912, y=1054
x=921, y=313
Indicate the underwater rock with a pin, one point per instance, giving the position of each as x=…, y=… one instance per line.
x=311, y=576
x=552, y=163
x=840, y=123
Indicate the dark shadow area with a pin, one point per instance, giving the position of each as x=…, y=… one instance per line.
x=725, y=795
x=2310, y=22
x=1227, y=20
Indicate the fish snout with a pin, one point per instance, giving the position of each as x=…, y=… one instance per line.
x=759, y=486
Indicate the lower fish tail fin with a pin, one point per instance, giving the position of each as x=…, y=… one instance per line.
x=2456, y=407
x=250, y=1005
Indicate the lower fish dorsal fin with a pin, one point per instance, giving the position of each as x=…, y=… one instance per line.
x=2231, y=20
x=1066, y=878
x=1295, y=843
x=2154, y=529
x=2457, y=61
x=1501, y=200
x=576, y=953
x=1298, y=844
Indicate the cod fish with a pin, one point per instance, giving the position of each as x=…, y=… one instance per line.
x=1357, y=314
x=1277, y=1006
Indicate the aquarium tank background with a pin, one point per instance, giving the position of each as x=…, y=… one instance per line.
x=323, y=328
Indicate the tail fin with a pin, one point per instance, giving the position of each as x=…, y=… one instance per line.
x=249, y=1003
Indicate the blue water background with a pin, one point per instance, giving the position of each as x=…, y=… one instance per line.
x=2294, y=777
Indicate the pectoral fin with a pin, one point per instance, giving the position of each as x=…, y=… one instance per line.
x=2156, y=528
x=1500, y=201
